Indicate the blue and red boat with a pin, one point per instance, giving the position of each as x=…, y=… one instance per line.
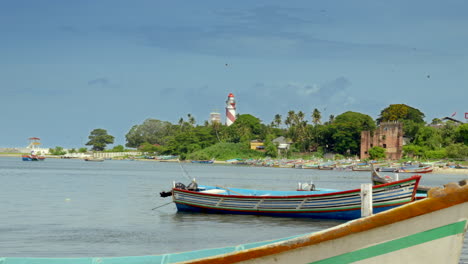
x=331, y=204
x=32, y=158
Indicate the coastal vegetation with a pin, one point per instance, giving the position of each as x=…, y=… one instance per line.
x=99, y=139
x=340, y=135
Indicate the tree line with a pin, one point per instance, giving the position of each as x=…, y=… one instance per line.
x=340, y=135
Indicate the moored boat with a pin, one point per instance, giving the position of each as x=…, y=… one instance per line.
x=32, y=157
x=329, y=204
x=94, y=159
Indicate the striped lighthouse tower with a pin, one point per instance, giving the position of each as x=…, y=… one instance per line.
x=230, y=110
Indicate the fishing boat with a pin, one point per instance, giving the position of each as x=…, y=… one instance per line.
x=425, y=169
x=387, y=169
x=329, y=204
x=427, y=231
x=32, y=157
x=94, y=159
x=203, y=161
x=379, y=179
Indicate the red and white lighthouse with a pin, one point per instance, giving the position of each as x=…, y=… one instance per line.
x=230, y=110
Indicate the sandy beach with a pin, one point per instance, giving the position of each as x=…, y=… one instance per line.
x=450, y=171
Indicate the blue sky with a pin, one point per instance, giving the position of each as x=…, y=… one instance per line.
x=68, y=67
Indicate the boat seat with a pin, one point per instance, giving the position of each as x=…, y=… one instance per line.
x=214, y=191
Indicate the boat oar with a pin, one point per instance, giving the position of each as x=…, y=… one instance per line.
x=162, y=205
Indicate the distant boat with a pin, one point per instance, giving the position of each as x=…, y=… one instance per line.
x=94, y=159
x=361, y=168
x=425, y=169
x=203, y=161
x=32, y=158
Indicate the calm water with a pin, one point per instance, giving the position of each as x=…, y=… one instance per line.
x=73, y=208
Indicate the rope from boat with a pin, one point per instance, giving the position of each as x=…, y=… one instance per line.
x=184, y=171
x=162, y=205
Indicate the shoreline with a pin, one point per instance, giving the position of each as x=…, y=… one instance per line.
x=437, y=170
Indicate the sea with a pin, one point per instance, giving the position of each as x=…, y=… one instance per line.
x=74, y=208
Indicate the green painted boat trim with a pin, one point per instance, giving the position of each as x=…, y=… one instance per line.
x=397, y=244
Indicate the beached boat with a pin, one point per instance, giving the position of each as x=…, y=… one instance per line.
x=427, y=231
x=330, y=204
x=425, y=169
x=204, y=161
x=361, y=168
x=379, y=179
x=387, y=169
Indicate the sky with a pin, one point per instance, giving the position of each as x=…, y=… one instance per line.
x=69, y=67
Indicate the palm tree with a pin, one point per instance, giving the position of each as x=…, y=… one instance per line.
x=316, y=116
x=191, y=119
x=181, y=123
x=277, y=120
x=300, y=117
x=290, y=119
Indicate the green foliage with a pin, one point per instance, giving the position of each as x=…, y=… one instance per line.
x=376, y=153
x=316, y=117
x=225, y=151
x=82, y=150
x=344, y=134
x=428, y=137
x=362, y=121
x=152, y=131
x=436, y=154
x=457, y=151
x=118, y=148
x=189, y=141
x=461, y=134
x=57, y=151
x=245, y=128
x=99, y=139
x=339, y=157
x=149, y=148
x=413, y=150
x=271, y=149
x=399, y=112
x=449, y=133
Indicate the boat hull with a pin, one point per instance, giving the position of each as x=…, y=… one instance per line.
x=331, y=205
x=342, y=215
x=32, y=158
